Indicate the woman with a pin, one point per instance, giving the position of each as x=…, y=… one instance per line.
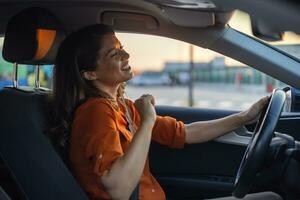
x=110, y=136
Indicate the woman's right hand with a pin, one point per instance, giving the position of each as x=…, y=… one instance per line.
x=130, y=166
x=145, y=106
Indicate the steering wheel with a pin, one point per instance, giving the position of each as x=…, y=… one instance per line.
x=258, y=146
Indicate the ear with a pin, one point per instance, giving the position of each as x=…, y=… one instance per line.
x=89, y=75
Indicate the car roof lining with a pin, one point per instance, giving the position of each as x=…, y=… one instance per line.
x=77, y=9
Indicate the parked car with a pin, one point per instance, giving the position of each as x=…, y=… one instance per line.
x=247, y=160
x=151, y=78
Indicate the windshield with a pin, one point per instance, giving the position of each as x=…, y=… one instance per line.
x=290, y=43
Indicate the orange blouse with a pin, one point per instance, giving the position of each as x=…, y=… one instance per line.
x=100, y=136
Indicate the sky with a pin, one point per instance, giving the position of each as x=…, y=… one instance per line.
x=151, y=52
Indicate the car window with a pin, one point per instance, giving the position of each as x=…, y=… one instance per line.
x=161, y=67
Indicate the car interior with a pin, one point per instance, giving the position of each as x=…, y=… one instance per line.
x=257, y=157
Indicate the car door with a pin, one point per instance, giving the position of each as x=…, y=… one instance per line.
x=199, y=170
x=206, y=170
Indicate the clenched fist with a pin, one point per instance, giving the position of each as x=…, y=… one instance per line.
x=145, y=106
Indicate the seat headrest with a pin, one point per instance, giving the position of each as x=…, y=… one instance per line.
x=32, y=37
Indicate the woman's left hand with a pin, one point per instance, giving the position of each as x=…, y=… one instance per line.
x=252, y=114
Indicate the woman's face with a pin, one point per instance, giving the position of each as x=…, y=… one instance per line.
x=113, y=64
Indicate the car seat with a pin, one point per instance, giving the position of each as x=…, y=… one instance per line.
x=32, y=37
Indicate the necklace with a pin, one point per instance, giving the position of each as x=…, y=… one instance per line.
x=128, y=116
x=114, y=103
x=111, y=99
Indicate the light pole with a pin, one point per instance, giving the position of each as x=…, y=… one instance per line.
x=191, y=80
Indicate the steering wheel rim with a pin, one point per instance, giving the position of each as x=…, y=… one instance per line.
x=258, y=146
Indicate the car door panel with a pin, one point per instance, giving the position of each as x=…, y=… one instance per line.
x=204, y=170
x=289, y=124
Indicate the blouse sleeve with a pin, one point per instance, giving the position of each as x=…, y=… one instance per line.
x=168, y=131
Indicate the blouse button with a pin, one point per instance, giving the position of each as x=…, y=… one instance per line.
x=152, y=190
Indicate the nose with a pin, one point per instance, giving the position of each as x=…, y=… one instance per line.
x=124, y=55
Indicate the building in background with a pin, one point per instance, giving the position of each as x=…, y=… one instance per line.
x=217, y=71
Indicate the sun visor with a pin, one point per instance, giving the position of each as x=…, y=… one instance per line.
x=136, y=21
x=189, y=18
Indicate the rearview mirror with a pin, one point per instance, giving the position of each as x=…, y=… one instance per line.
x=264, y=31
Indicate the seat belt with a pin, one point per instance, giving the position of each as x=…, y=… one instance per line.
x=3, y=195
x=135, y=193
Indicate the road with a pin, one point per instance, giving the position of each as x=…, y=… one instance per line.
x=215, y=96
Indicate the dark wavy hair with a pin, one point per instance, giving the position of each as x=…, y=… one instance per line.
x=78, y=52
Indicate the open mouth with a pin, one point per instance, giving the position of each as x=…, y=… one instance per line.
x=126, y=67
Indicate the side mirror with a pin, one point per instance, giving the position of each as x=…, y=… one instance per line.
x=264, y=31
